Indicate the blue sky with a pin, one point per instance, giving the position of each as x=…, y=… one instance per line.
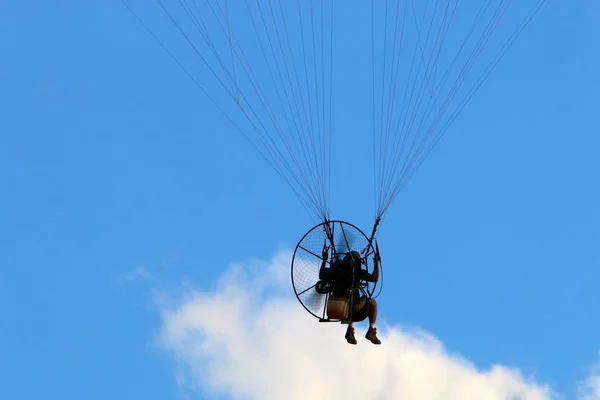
x=112, y=161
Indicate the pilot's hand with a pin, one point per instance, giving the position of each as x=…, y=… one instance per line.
x=325, y=252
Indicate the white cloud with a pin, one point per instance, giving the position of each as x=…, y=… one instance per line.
x=139, y=273
x=249, y=338
x=590, y=388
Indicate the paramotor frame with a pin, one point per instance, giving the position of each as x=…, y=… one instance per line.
x=342, y=238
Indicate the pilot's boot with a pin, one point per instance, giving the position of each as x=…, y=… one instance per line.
x=372, y=336
x=350, y=335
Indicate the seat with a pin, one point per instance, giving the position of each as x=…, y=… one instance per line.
x=337, y=307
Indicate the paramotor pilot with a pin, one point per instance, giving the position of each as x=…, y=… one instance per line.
x=342, y=285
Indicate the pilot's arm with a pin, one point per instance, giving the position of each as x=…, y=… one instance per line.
x=374, y=277
x=324, y=272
